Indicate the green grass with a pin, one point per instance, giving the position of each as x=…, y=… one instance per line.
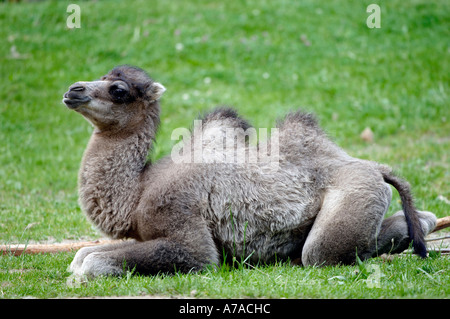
x=404, y=277
x=248, y=54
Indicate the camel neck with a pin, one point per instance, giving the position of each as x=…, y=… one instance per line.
x=110, y=179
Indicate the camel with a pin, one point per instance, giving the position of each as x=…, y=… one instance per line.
x=317, y=207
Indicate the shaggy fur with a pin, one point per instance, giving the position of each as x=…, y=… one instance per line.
x=319, y=207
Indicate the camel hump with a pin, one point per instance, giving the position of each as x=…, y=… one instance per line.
x=225, y=116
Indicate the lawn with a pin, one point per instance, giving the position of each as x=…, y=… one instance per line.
x=262, y=57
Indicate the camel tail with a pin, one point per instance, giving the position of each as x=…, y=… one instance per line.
x=415, y=230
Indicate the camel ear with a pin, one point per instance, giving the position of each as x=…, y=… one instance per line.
x=156, y=90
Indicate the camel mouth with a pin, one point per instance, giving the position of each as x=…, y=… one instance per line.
x=73, y=103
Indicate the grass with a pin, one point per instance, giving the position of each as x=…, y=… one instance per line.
x=404, y=277
x=262, y=57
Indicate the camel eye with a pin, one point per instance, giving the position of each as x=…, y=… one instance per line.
x=118, y=92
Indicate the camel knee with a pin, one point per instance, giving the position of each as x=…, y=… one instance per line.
x=313, y=256
x=99, y=264
x=326, y=256
x=322, y=250
x=78, y=260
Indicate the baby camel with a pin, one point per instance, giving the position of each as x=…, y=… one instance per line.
x=319, y=207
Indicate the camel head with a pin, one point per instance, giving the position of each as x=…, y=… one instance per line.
x=118, y=100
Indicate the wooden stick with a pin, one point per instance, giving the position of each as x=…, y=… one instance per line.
x=442, y=223
x=19, y=249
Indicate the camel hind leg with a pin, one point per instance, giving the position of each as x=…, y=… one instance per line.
x=349, y=220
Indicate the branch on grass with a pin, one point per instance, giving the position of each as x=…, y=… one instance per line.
x=20, y=249
x=442, y=223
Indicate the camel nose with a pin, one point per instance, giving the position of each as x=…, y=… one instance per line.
x=77, y=87
x=77, y=90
